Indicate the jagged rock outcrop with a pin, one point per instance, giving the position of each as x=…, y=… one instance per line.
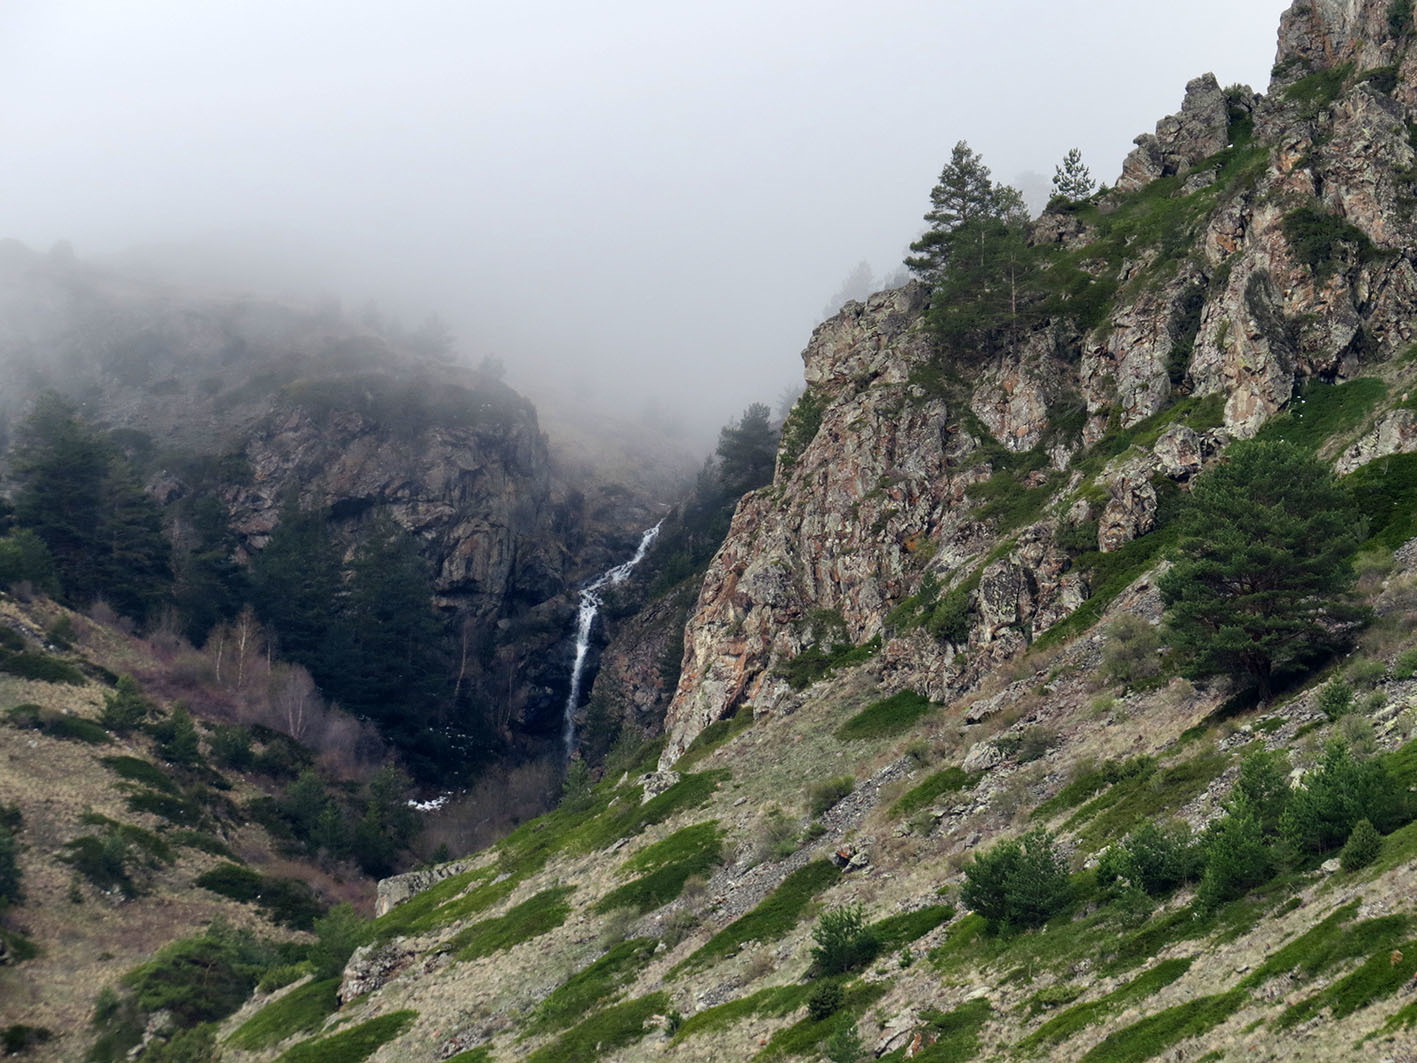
x=1199, y=130
x=1283, y=254
x=1129, y=513
x=1394, y=433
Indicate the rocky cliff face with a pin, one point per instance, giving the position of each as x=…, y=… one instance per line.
x=1264, y=241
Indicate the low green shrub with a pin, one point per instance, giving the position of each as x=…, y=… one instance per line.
x=806, y=1037
x=58, y=724
x=533, y=917
x=667, y=864
x=353, y=1045
x=20, y=1038
x=606, y=1030
x=816, y=662
x=773, y=917
x=118, y=857
x=1335, y=699
x=42, y=668
x=829, y=792
x=889, y=716
x=1377, y=978
x=141, y=771
x=286, y=901
x=11, y=876
x=1028, y=745
x=592, y=986
x=299, y=1011
x=895, y=931
x=716, y=734
x=944, y=781
x=1131, y=651
x=1151, y=1036
x=1405, y=667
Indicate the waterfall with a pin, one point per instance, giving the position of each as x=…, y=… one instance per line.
x=585, y=617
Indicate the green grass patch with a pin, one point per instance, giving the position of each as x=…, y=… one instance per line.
x=605, y=1031
x=425, y=911
x=956, y=1033
x=945, y=781
x=774, y=916
x=1131, y=801
x=481, y=1054
x=353, y=1045
x=667, y=864
x=1399, y=848
x=58, y=724
x=591, y=986
x=1316, y=91
x=17, y=947
x=1006, y=499
x=816, y=661
x=141, y=771
x=889, y=716
x=716, y=734
x=630, y=817
x=1322, y=411
x=804, y=1035
x=286, y=901
x=1331, y=942
x=182, y=811
x=203, y=842
x=1090, y=781
x=895, y=931
x=1108, y=576
x=1067, y=1023
x=299, y=1011
x=775, y=1000
x=533, y=917
x=1385, y=493
x=1375, y=979
x=1156, y=1033
x=1318, y=239
x=42, y=668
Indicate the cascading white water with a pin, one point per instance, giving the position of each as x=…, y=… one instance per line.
x=585, y=617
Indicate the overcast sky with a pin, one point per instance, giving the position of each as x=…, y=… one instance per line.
x=626, y=198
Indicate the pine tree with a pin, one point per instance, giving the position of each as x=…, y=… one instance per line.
x=1071, y=179
x=1263, y=573
x=77, y=493
x=963, y=194
x=747, y=451
x=975, y=255
x=295, y=583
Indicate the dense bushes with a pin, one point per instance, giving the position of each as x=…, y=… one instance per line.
x=843, y=941
x=196, y=980
x=1022, y=882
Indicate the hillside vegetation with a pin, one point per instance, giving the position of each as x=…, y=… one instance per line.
x=1056, y=699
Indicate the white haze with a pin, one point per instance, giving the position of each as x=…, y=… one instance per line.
x=638, y=204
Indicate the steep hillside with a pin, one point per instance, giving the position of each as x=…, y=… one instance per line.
x=932, y=784
x=132, y=829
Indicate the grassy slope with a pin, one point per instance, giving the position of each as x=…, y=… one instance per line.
x=56, y=784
